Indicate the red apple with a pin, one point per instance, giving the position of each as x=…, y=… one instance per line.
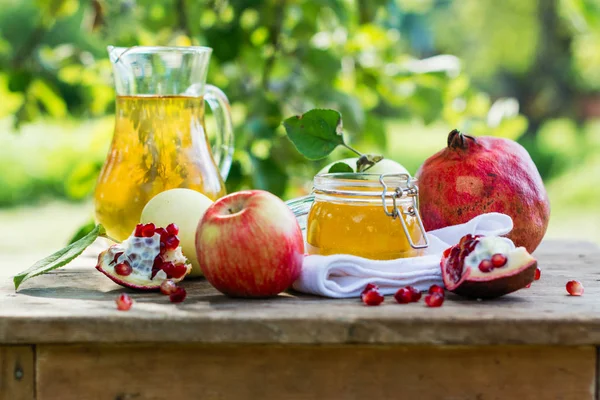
x=249, y=244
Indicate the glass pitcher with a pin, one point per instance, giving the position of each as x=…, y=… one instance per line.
x=159, y=140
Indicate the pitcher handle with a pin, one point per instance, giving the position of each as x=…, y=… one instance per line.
x=223, y=148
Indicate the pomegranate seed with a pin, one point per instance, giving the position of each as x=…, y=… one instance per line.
x=148, y=230
x=370, y=286
x=436, y=289
x=416, y=294
x=403, y=296
x=178, y=295
x=158, y=262
x=171, y=242
x=168, y=287
x=447, y=252
x=168, y=267
x=538, y=274
x=124, y=302
x=157, y=265
x=123, y=269
x=163, y=233
x=117, y=255
x=528, y=286
x=372, y=298
x=434, y=300
x=486, y=266
x=173, y=229
x=138, y=230
x=575, y=288
x=178, y=271
x=498, y=260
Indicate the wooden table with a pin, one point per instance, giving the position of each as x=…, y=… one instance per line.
x=61, y=337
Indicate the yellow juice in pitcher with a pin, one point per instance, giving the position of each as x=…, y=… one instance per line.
x=159, y=143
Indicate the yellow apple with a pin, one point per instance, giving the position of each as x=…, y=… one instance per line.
x=185, y=208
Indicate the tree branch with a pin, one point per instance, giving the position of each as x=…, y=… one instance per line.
x=275, y=39
x=182, y=20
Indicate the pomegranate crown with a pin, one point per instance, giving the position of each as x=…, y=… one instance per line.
x=458, y=140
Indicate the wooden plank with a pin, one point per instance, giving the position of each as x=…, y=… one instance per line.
x=306, y=372
x=17, y=379
x=76, y=305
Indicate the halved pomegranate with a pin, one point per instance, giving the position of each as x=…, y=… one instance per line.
x=486, y=267
x=146, y=259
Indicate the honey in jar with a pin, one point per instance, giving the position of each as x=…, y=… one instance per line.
x=348, y=217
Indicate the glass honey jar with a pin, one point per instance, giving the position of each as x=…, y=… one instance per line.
x=366, y=215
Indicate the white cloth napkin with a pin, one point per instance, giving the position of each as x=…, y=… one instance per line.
x=343, y=276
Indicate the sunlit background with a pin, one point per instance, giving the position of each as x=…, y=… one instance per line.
x=403, y=73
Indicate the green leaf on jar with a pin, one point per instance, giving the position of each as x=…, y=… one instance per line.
x=315, y=133
x=340, y=167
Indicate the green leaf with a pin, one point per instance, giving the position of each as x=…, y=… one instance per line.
x=366, y=161
x=82, y=231
x=60, y=258
x=316, y=133
x=340, y=167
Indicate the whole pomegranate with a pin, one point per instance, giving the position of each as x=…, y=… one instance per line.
x=473, y=176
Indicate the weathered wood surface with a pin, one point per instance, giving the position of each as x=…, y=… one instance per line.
x=314, y=372
x=17, y=373
x=76, y=305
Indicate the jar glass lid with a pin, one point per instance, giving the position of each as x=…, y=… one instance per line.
x=360, y=184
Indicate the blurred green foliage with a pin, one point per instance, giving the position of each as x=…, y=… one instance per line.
x=524, y=69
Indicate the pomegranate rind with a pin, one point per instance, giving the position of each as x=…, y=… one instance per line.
x=119, y=281
x=518, y=272
x=489, y=289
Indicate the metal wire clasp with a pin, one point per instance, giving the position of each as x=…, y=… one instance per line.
x=412, y=191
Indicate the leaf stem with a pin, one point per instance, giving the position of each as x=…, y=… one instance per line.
x=352, y=149
x=109, y=238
